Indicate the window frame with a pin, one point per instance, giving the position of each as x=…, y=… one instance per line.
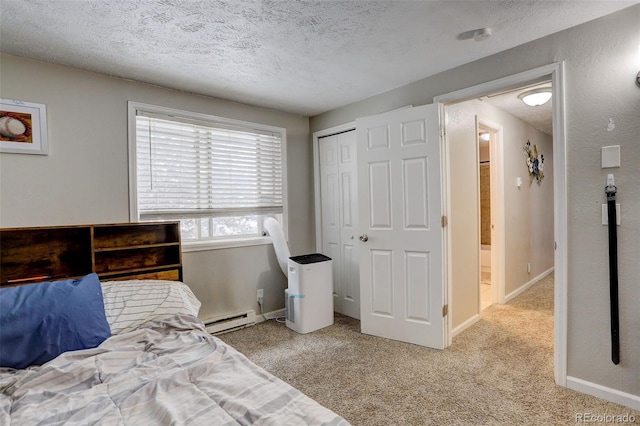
x=206, y=119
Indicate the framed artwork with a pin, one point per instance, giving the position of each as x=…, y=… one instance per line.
x=23, y=127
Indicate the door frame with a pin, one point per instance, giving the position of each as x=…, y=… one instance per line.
x=556, y=72
x=497, y=211
x=316, y=174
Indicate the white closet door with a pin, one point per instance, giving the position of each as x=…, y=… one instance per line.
x=338, y=189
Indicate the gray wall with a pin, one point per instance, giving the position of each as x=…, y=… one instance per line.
x=528, y=215
x=602, y=60
x=84, y=179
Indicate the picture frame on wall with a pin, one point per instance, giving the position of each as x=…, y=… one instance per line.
x=23, y=127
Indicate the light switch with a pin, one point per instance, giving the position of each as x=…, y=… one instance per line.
x=610, y=156
x=518, y=182
x=605, y=214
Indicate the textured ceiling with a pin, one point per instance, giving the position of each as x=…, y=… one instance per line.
x=304, y=57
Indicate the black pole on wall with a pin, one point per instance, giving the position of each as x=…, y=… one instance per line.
x=611, y=190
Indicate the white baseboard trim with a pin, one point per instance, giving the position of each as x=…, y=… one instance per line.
x=525, y=286
x=468, y=323
x=599, y=391
x=270, y=315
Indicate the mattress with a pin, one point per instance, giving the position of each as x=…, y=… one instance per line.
x=168, y=371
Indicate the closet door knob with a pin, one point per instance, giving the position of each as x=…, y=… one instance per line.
x=364, y=238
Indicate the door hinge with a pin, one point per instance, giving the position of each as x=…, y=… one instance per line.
x=445, y=221
x=442, y=132
x=445, y=310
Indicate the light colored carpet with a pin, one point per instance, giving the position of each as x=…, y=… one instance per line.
x=497, y=372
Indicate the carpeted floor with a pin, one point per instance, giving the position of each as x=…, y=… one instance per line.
x=497, y=372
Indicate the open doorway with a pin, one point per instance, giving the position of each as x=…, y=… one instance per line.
x=485, y=138
x=516, y=196
x=502, y=217
x=465, y=310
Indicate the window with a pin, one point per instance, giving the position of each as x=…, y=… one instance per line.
x=221, y=178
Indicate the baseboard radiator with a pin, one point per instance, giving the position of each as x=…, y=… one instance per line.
x=230, y=323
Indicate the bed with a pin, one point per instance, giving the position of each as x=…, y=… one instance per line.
x=105, y=347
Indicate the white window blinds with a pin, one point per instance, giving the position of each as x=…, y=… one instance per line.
x=190, y=169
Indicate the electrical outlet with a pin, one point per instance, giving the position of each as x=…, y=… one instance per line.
x=528, y=268
x=260, y=295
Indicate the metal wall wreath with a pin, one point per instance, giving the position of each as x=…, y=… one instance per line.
x=535, y=162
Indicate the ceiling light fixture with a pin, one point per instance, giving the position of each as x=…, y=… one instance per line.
x=536, y=97
x=485, y=136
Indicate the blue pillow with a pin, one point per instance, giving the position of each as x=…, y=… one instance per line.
x=38, y=322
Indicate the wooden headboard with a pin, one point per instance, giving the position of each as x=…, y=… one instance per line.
x=115, y=252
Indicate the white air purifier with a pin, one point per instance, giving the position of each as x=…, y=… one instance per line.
x=309, y=298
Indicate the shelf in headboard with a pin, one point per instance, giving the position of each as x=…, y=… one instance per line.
x=109, y=249
x=135, y=234
x=113, y=251
x=170, y=272
x=56, y=252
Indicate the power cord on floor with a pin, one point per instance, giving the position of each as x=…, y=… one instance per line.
x=280, y=319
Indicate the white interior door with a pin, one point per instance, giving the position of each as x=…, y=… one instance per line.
x=401, y=262
x=339, y=211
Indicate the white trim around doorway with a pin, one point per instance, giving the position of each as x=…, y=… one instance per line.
x=497, y=211
x=556, y=72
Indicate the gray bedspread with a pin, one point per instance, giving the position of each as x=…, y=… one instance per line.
x=169, y=372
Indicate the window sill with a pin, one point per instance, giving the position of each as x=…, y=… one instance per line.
x=189, y=246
